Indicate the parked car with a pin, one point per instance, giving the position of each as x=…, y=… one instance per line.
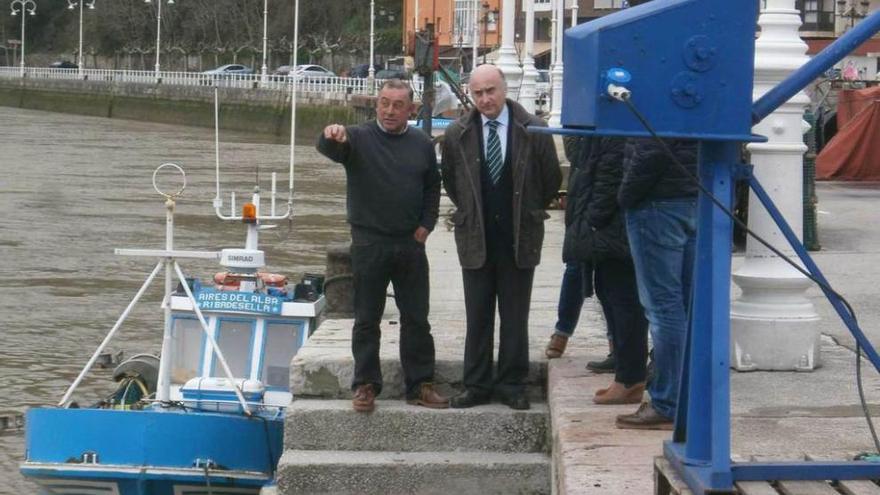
x=63, y=64
x=363, y=70
x=229, y=70
x=314, y=73
x=391, y=74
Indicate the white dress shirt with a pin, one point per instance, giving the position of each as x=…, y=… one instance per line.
x=503, y=119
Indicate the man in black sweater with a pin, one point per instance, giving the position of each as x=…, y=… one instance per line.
x=393, y=198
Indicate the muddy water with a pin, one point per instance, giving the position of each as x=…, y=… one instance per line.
x=72, y=189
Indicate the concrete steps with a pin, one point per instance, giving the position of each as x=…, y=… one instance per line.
x=322, y=369
x=400, y=448
x=385, y=473
x=397, y=426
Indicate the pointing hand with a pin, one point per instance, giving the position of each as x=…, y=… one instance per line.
x=336, y=133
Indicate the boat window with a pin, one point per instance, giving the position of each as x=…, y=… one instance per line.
x=235, y=338
x=282, y=342
x=186, y=349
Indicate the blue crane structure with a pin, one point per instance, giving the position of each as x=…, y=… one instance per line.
x=689, y=66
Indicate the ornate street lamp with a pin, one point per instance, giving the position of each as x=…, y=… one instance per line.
x=158, y=32
x=72, y=4
x=852, y=10
x=371, y=73
x=24, y=6
x=263, y=71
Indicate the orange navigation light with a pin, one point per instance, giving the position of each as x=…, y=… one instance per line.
x=249, y=213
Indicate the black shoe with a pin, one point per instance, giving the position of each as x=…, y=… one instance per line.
x=517, y=401
x=468, y=398
x=604, y=366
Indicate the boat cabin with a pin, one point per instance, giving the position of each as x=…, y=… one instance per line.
x=258, y=334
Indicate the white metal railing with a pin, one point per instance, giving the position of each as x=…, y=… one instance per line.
x=311, y=84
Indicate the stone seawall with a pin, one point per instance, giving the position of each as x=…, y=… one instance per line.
x=250, y=110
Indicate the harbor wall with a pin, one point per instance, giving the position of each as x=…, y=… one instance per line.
x=255, y=110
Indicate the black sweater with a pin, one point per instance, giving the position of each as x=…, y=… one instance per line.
x=393, y=182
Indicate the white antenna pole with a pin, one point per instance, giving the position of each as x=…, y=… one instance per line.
x=293, y=105
x=217, y=201
x=163, y=387
x=272, y=196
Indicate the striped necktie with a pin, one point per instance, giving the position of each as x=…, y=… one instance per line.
x=494, y=161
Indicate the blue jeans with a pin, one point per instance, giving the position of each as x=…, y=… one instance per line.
x=662, y=235
x=571, y=299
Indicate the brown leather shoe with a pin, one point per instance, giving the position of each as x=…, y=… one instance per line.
x=364, y=399
x=619, y=393
x=556, y=347
x=429, y=397
x=646, y=418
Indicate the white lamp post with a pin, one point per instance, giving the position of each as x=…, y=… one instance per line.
x=158, y=31
x=557, y=69
x=72, y=4
x=574, y=13
x=507, y=61
x=773, y=324
x=264, y=70
x=371, y=72
x=530, y=74
x=24, y=7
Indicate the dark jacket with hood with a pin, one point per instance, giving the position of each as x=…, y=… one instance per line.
x=650, y=174
x=594, y=227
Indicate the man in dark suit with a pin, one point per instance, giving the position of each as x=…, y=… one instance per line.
x=501, y=178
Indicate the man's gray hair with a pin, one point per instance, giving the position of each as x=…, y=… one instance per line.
x=398, y=84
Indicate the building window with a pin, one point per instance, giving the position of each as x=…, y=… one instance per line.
x=463, y=25
x=609, y=4
x=817, y=15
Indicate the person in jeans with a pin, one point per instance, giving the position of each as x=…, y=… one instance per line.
x=660, y=203
x=393, y=199
x=572, y=292
x=577, y=279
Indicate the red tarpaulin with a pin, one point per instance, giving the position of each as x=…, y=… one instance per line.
x=854, y=152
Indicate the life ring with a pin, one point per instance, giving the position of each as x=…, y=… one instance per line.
x=231, y=281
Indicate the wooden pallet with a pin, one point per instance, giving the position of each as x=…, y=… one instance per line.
x=667, y=482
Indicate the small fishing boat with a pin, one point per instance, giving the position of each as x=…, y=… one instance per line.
x=206, y=416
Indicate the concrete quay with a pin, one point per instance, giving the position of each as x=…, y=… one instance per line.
x=778, y=415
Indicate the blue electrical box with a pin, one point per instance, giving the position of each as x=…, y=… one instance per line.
x=689, y=65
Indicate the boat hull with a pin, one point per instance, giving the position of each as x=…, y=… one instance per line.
x=155, y=452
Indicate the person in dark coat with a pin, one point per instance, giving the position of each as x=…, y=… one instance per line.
x=597, y=235
x=577, y=279
x=500, y=178
x=660, y=203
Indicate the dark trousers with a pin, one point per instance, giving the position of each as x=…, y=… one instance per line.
x=618, y=294
x=405, y=265
x=499, y=280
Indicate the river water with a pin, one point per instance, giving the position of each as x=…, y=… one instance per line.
x=72, y=189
